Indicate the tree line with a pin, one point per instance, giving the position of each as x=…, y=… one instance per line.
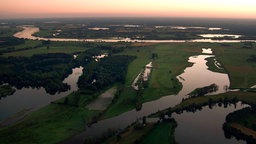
x=43, y=70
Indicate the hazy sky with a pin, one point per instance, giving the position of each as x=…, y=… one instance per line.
x=140, y=8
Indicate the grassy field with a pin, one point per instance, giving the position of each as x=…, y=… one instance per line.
x=234, y=59
x=125, y=102
x=51, y=124
x=131, y=135
x=26, y=45
x=36, y=47
x=161, y=133
x=44, y=50
x=171, y=61
x=143, y=54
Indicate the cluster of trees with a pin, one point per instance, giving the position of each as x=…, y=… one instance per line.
x=194, y=106
x=230, y=131
x=243, y=113
x=109, y=70
x=10, y=41
x=243, y=117
x=45, y=70
x=6, y=90
x=204, y=90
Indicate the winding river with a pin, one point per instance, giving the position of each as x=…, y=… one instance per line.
x=204, y=126
x=193, y=77
x=189, y=124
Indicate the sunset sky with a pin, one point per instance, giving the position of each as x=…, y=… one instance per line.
x=128, y=8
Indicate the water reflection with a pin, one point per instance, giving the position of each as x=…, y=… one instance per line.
x=204, y=126
x=195, y=77
x=31, y=99
x=28, y=32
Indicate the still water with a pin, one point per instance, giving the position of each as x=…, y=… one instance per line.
x=204, y=126
x=30, y=99
x=194, y=77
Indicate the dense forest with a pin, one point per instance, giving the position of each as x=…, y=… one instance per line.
x=44, y=70
x=98, y=75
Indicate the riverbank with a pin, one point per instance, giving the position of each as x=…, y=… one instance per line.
x=195, y=103
x=39, y=126
x=170, y=62
x=234, y=60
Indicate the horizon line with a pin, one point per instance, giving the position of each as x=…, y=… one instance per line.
x=141, y=17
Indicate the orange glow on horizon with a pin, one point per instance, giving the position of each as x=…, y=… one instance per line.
x=147, y=8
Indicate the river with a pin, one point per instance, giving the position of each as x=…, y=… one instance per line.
x=28, y=32
x=204, y=126
x=193, y=77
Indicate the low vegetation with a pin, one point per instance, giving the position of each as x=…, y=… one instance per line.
x=148, y=133
x=236, y=62
x=51, y=124
x=161, y=133
x=211, y=63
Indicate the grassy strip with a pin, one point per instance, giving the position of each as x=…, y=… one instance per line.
x=197, y=102
x=212, y=66
x=125, y=102
x=44, y=50
x=234, y=59
x=51, y=124
x=151, y=133
x=161, y=133
x=170, y=62
x=130, y=135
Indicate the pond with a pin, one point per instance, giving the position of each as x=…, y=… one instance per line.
x=29, y=99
